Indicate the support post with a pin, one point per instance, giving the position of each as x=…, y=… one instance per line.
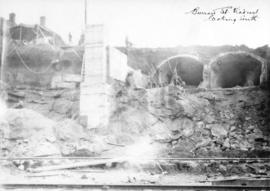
x=94, y=104
x=3, y=50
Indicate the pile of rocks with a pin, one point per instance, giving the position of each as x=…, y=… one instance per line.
x=26, y=133
x=195, y=122
x=180, y=123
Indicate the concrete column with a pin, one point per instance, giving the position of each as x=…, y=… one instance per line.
x=94, y=104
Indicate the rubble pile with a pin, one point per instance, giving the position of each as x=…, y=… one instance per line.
x=25, y=132
x=74, y=140
x=56, y=104
x=65, y=104
x=229, y=122
x=159, y=122
x=180, y=122
x=213, y=168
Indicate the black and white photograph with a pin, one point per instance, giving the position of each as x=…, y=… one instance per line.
x=134, y=95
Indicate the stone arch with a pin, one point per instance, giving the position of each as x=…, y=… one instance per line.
x=189, y=68
x=236, y=69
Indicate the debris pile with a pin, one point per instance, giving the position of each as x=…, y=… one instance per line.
x=56, y=104
x=180, y=122
x=229, y=122
x=74, y=140
x=27, y=133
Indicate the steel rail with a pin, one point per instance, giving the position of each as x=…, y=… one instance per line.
x=141, y=158
x=129, y=186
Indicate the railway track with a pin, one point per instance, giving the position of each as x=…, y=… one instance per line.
x=84, y=186
x=141, y=158
x=87, y=186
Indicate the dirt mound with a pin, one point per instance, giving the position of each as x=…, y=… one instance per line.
x=73, y=139
x=27, y=133
x=179, y=122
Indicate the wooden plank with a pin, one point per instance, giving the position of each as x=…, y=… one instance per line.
x=77, y=165
x=63, y=172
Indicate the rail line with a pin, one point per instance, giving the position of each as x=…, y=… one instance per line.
x=141, y=158
x=128, y=186
x=89, y=186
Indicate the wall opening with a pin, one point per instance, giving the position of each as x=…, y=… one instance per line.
x=235, y=69
x=188, y=68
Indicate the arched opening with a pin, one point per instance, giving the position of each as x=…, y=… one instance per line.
x=181, y=67
x=235, y=69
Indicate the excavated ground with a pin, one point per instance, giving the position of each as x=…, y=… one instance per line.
x=159, y=122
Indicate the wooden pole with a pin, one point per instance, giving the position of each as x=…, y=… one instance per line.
x=85, y=13
x=20, y=33
x=3, y=51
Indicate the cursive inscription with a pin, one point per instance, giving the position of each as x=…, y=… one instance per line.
x=226, y=14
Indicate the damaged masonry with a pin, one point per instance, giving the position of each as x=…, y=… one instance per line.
x=94, y=113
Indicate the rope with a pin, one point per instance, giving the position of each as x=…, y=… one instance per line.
x=28, y=68
x=76, y=53
x=22, y=60
x=44, y=37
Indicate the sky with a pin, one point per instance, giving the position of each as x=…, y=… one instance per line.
x=62, y=16
x=149, y=23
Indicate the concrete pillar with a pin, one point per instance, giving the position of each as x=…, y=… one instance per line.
x=94, y=104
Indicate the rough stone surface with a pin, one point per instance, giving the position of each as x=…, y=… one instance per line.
x=73, y=139
x=218, y=130
x=28, y=133
x=200, y=123
x=191, y=122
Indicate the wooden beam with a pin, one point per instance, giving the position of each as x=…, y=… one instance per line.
x=77, y=165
